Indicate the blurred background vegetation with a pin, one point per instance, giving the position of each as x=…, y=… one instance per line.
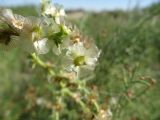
x=130, y=43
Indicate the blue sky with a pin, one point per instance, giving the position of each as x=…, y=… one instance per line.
x=86, y=4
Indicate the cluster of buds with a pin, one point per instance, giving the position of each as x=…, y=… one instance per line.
x=74, y=56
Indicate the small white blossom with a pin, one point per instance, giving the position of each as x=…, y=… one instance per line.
x=32, y=36
x=50, y=10
x=82, y=59
x=13, y=20
x=41, y=46
x=104, y=115
x=55, y=11
x=82, y=55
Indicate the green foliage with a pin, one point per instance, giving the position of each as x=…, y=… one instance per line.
x=130, y=43
x=25, y=10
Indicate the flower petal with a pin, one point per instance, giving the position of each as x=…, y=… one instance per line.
x=41, y=46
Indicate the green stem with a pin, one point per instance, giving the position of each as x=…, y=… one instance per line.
x=42, y=64
x=57, y=115
x=96, y=105
x=80, y=102
x=38, y=60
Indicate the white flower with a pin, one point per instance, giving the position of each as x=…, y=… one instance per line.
x=60, y=13
x=41, y=46
x=16, y=21
x=55, y=11
x=32, y=24
x=32, y=36
x=104, y=115
x=50, y=10
x=81, y=59
x=82, y=55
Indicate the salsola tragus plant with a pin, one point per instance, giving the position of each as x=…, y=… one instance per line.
x=72, y=60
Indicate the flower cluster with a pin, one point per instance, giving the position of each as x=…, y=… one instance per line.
x=50, y=33
x=74, y=56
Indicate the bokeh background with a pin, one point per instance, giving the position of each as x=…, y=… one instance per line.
x=127, y=32
x=86, y=4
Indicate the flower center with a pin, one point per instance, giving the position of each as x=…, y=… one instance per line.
x=80, y=60
x=18, y=24
x=37, y=31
